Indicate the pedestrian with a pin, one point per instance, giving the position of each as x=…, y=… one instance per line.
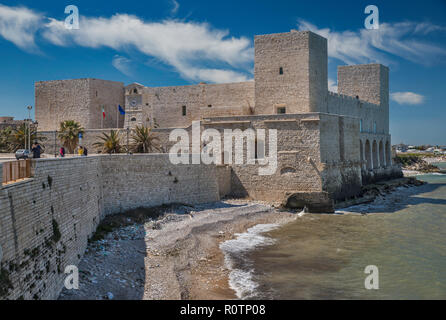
x=36, y=150
x=62, y=152
x=80, y=151
x=85, y=151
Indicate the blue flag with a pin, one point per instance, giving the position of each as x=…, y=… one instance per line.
x=121, y=111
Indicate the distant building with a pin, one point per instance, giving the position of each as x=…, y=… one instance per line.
x=6, y=122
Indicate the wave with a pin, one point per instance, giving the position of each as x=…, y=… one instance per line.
x=241, y=278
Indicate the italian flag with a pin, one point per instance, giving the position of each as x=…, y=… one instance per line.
x=103, y=112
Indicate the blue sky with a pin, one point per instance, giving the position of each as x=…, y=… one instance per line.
x=167, y=42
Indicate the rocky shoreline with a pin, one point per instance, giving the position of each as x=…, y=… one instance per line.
x=173, y=256
x=173, y=252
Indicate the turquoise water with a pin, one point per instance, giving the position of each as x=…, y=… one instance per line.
x=324, y=256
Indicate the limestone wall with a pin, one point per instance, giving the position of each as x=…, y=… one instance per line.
x=45, y=224
x=163, y=107
x=151, y=180
x=290, y=72
x=298, y=144
x=80, y=100
x=46, y=221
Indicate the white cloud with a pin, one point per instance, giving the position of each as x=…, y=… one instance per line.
x=409, y=98
x=19, y=25
x=365, y=46
x=332, y=85
x=175, y=7
x=187, y=46
x=122, y=64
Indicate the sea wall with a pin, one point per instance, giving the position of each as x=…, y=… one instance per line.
x=46, y=221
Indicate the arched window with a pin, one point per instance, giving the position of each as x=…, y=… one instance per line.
x=381, y=154
x=361, y=153
x=375, y=155
x=368, y=155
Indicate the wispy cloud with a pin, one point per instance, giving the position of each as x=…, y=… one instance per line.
x=187, y=46
x=19, y=25
x=407, y=98
x=402, y=39
x=122, y=64
x=175, y=7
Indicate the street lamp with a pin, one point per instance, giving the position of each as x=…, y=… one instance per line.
x=29, y=127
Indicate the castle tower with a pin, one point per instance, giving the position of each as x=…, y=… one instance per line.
x=367, y=82
x=290, y=73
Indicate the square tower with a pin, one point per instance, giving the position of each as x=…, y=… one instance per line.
x=367, y=82
x=290, y=73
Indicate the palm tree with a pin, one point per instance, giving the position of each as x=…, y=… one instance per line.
x=18, y=136
x=144, y=140
x=5, y=139
x=69, y=134
x=110, y=143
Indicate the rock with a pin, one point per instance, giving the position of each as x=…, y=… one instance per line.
x=110, y=296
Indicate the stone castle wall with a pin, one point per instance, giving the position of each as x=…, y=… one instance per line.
x=290, y=72
x=163, y=107
x=46, y=221
x=80, y=100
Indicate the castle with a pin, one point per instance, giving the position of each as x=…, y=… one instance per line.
x=329, y=144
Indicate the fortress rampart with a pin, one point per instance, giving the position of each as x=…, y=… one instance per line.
x=46, y=221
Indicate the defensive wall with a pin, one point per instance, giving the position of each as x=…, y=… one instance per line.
x=46, y=221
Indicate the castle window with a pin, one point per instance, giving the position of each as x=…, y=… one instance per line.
x=280, y=70
x=135, y=91
x=281, y=110
x=210, y=106
x=184, y=110
x=133, y=119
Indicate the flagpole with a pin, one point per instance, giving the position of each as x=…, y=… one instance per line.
x=102, y=117
x=117, y=118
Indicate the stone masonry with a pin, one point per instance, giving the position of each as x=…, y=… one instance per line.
x=46, y=221
x=329, y=144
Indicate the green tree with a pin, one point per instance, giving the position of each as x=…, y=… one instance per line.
x=5, y=139
x=144, y=140
x=110, y=143
x=20, y=135
x=69, y=134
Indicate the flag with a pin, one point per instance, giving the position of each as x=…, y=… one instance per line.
x=121, y=111
x=103, y=112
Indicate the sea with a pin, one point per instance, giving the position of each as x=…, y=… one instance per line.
x=392, y=248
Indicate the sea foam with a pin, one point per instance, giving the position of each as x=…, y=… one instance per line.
x=241, y=275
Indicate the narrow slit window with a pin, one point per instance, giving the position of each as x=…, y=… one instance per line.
x=184, y=111
x=280, y=70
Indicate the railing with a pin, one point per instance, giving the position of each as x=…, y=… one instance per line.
x=16, y=170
